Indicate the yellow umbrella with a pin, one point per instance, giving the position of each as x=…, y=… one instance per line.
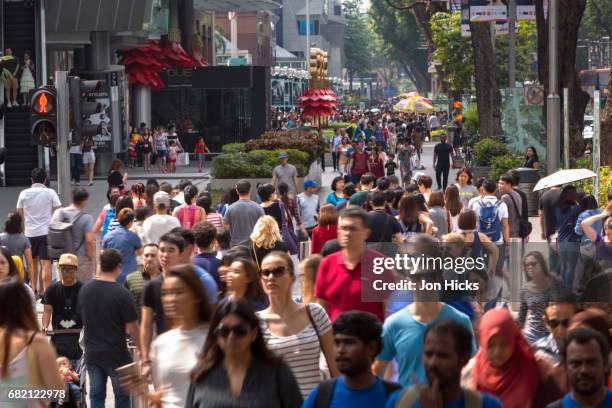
x=416, y=104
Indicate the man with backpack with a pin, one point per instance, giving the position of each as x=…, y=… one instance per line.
x=493, y=221
x=70, y=231
x=357, y=341
x=447, y=349
x=518, y=226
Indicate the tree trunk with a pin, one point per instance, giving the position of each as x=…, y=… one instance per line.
x=488, y=97
x=570, y=15
x=606, y=131
x=350, y=81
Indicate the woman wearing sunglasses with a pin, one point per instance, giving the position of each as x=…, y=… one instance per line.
x=539, y=288
x=296, y=332
x=243, y=282
x=236, y=369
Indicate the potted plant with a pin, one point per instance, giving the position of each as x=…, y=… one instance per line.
x=484, y=152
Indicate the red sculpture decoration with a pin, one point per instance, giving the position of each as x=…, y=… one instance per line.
x=144, y=65
x=318, y=102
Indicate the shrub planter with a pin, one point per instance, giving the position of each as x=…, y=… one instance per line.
x=229, y=183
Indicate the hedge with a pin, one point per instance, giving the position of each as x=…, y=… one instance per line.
x=257, y=163
x=486, y=149
x=233, y=148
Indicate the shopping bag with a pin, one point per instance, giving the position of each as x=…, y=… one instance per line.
x=182, y=159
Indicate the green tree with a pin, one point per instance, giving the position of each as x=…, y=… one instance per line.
x=597, y=20
x=397, y=38
x=453, y=51
x=526, y=54
x=357, y=40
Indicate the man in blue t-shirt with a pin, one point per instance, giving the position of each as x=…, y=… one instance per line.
x=404, y=331
x=447, y=349
x=357, y=341
x=585, y=354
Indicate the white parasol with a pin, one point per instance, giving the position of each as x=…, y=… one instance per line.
x=563, y=177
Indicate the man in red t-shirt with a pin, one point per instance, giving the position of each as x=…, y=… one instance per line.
x=359, y=163
x=346, y=277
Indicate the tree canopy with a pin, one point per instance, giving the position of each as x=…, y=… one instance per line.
x=357, y=40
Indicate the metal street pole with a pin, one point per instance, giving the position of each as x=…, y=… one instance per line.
x=566, y=138
x=63, y=130
x=512, y=44
x=553, y=103
x=307, y=53
x=596, y=141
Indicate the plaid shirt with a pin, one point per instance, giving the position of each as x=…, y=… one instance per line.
x=294, y=211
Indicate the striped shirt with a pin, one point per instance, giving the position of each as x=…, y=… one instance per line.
x=301, y=351
x=215, y=219
x=135, y=283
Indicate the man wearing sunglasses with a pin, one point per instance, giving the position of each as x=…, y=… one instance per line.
x=559, y=311
x=60, y=305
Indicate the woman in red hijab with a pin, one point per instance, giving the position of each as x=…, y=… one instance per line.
x=505, y=365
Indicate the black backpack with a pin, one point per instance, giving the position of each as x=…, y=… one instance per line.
x=325, y=391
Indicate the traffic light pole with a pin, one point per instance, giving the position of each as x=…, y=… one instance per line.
x=63, y=136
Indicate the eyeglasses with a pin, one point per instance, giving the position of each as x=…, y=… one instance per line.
x=534, y=263
x=276, y=272
x=239, y=330
x=554, y=323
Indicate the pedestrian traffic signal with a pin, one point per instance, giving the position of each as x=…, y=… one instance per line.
x=87, y=112
x=43, y=116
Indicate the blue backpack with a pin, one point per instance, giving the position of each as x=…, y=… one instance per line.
x=488, y=220
x=110, y=215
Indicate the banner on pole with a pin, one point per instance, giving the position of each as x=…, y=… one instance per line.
x=525, y=10
x=488, y=10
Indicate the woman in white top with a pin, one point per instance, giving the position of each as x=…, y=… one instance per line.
x=175, y=352
x=20, y=341
x=295, y=332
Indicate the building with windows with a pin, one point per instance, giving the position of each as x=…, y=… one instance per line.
x=327, y=26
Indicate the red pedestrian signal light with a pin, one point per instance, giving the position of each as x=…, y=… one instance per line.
x=43, y=102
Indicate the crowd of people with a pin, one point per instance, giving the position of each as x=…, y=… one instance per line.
x=200, y=305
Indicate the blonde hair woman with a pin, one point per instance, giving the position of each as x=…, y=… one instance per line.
x=266, y=238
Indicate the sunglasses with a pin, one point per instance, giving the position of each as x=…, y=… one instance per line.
x=276, y=272
x=531, y=263
x=239, y=330
x=554, y=323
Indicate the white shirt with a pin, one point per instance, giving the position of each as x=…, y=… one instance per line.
x=37, y=203
x=157, y=225
x=502, y=210
x=434, y=122
x=173, y=355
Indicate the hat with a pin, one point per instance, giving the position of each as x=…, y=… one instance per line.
x=161, y=198
x=310, y=183
x=283, y=155
x=68, y=260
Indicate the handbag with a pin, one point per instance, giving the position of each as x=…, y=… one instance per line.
x=182, y=159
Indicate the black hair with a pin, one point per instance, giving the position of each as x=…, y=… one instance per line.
x=187, y=273
x=411, y=188
x=125, y=217
x=451, y=328
x=265, y=191
x=79, y=194
x=467, y=172
x=109, y=192
x=13, y=271
x=507, y=178
x=224, y=239
x=561, y=297
x=13, y=224
x=243, y=187
x=187, y=235
x=234, y=253
x=588, y=202
x=205, y=201
x=174, y=239
x=109, y=259
x=583, y=335
x=349, y=189
x=124, y=202
x=152, y=182
x=335, y=182
x=189, y=192
x=480, y=182
x=567, y=198
x=204, y=233
x=363, y=325
x=490, y=186
x=212, y=354
x=142, y=213
x=39, y=175
x=378, y=199
x=356, y=212
x=420, y=201
x=367, y=178
x=516, y=175
x=382, y=184
x=535, y=153
x=183, y=183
